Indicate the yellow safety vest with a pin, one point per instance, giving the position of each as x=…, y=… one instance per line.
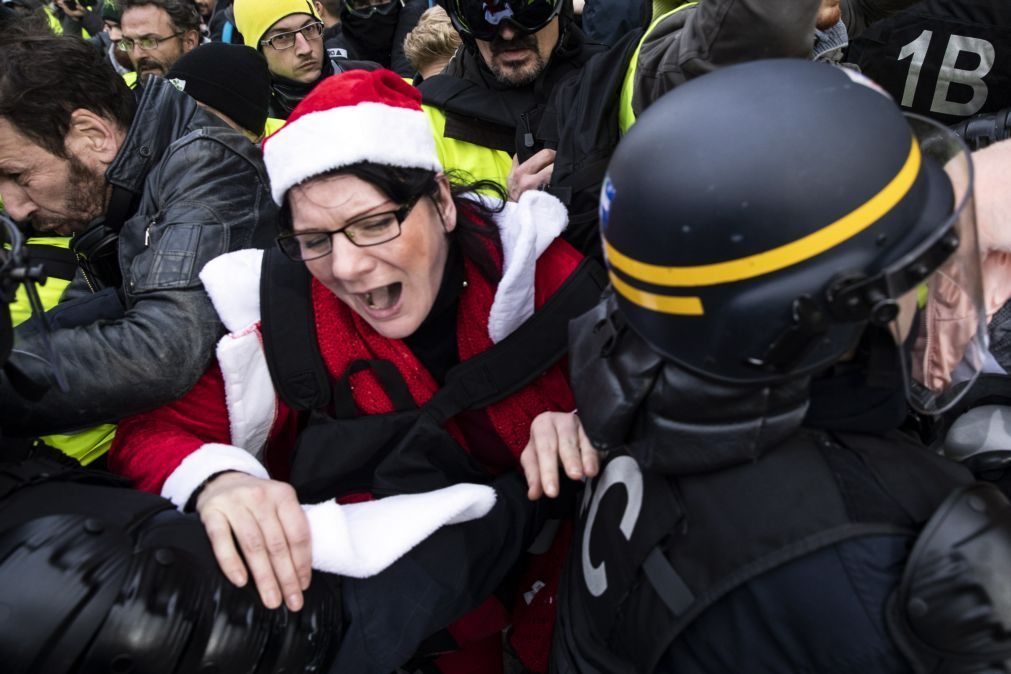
x=626, y=115
x=88, y=444
x=476, y=161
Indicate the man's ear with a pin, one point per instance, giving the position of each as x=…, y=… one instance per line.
x=191, y=39
x=92, y=137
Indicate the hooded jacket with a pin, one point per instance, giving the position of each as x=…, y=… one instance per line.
x=197, y=189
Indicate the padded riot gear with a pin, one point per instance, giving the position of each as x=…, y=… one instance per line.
x=100, y=578
x=951, y=612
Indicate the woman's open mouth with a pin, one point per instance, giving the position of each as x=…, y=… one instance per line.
x=380, y=299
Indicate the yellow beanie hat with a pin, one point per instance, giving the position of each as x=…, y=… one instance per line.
x=253, y=18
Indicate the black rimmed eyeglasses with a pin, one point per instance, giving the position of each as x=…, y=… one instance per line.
x=281, y=41
x=368, y=230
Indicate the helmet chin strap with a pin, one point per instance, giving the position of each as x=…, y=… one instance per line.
x=622, y=386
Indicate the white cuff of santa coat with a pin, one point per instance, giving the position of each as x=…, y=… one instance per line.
x=209, y=459
x=362, y=539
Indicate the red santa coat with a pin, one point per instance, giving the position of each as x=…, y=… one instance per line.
x=233, y=420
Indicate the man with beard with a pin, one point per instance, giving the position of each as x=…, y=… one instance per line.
x=289, y=34
x=486, y=107
x=150, y=191
x=156, y=33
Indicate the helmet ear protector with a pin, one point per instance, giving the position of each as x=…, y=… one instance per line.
x=481, y=19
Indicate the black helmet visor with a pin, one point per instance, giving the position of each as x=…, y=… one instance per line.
x=937, y=288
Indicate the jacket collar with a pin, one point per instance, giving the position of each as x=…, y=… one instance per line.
x=163, y=115
x=287, y=93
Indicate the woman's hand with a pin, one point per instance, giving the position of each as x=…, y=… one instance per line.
x=554, y=436
x=271, y=528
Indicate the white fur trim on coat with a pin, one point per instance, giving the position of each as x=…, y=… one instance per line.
x=197, y=467
x=232, y=281
x=527, y=227
x=362, y=539
x=249, y=390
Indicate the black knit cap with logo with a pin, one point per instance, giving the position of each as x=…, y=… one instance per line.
x=231, y=78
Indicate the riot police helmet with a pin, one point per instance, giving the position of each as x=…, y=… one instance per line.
x=757, y=219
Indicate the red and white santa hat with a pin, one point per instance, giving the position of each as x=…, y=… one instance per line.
x=352, y=117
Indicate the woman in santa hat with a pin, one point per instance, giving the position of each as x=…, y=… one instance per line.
x=406, y=268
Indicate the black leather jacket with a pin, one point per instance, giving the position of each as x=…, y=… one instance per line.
x=201, y=191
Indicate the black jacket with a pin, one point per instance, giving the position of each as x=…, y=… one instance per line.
x=483, y=111
x=723, y=537
x=198, y=190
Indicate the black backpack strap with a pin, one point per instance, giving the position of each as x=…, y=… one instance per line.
x=288, y=329
x=525, y=354
x=57, y=262
x=344, y=406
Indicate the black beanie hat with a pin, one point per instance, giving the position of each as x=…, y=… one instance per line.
x=231, y=78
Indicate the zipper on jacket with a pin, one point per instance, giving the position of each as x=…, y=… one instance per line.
x=528, y=136
x=82, y=264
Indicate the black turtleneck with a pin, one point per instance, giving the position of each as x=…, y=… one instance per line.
x=434, y=342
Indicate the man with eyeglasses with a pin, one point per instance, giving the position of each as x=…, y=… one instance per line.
x=289, y=34
x=156, y=33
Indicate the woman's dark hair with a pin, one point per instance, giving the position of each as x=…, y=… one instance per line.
x=475, y=217
x=45, y=77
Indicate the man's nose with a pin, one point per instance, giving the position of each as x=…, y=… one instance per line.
x=302, y=44
x=15, y=201
x=507, y=32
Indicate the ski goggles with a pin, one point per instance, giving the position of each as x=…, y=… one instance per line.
x=367, y=8
x=481, y=19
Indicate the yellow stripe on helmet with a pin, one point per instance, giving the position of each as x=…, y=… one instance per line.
x=666, y=304
x=784, y=256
